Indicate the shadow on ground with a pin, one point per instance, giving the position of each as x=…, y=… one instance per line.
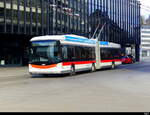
x=67, y=75
x=141, y=67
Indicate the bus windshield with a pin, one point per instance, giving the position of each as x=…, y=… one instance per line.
x=45, y=52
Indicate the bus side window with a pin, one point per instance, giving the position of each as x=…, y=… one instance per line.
x=88, y=53
x=102, y=54
x=64, y=53
x=93, y=53
x=78, y=53
x=83, y=53
x=71, y=53
x=116, y=54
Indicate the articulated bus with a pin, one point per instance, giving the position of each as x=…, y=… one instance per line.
x=62, y=54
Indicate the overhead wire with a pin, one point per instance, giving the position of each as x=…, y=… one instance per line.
x=144, y=7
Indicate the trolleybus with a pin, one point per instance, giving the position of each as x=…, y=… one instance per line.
x=61, y=54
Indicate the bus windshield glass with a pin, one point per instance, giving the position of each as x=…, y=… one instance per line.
x=45, y=52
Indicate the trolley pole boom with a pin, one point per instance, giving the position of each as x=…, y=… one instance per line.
x=96, y=30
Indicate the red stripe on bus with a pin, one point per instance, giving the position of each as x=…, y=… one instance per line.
x=117, y=60
x=106, y=61
x=77, y=63
x=88, y=62
x=114, y=60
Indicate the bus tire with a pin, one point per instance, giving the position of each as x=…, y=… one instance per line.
x=72, y=70
x=113, y=65
x=93, y=68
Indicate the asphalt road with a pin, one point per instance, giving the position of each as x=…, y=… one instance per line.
x=125, y=89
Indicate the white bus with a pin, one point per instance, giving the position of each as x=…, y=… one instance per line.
x=63, y=54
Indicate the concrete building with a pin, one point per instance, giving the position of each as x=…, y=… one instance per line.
x=20, y=20
x=145, y=41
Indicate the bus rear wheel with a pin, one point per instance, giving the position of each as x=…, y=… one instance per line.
x=72, y=70
x=93, y=68
x=113, y=65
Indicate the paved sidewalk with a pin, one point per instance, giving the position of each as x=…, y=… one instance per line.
x=13, y=71
x=145, y=59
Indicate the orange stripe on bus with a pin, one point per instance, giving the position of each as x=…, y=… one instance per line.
x=44, y=66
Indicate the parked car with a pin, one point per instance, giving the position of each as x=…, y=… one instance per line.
x=129, y=59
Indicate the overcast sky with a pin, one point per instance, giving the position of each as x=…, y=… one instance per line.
x=145, y=11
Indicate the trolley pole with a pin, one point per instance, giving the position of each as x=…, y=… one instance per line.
x=98, y=49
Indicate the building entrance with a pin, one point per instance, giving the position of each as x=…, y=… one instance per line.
x=12, y=51
x=10, y=56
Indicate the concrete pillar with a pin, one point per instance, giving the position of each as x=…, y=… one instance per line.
x=133, y=52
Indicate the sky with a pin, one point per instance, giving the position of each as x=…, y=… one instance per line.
x=145, y=10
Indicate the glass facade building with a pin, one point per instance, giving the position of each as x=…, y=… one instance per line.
x=20, y=20
x=145, y=41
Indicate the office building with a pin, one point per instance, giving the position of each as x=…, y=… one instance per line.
x=145, y=41
x=20, y=20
